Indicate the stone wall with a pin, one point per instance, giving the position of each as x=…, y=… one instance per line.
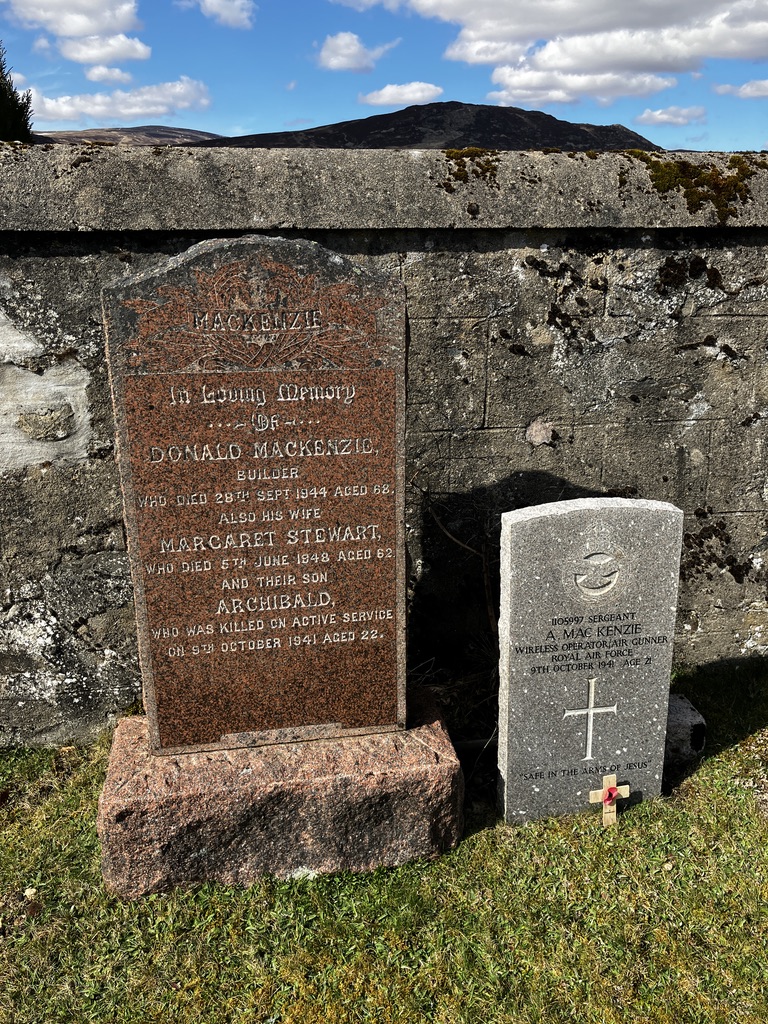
x=579, y=324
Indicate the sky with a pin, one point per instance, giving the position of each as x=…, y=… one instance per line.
x=686, y=74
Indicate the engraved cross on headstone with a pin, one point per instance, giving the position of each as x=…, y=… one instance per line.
x=590, y=711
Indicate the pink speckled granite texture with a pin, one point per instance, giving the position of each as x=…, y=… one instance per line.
x=349, y=804
x=259, y=390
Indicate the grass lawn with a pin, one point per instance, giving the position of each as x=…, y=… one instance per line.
x=662, y=918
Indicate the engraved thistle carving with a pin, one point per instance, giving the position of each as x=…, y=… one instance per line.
x=234, y=319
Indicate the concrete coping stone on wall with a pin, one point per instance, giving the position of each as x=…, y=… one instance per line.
x=128, y=188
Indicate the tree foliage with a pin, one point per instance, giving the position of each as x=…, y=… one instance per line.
x=15, y=107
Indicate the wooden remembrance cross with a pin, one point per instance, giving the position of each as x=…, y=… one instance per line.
x=608, y=796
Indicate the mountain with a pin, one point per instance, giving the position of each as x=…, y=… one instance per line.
x=449, y=126
x=146, y=135
x=427, y=126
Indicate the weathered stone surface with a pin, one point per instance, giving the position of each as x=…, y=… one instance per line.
x=67, y=639
x=43, y=417
x=258, y=389
x=588, y=605
x=77, y=188
x=644, y=349
x=447, y=372
x=349, y=804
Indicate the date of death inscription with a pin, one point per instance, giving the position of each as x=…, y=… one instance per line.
x=264, y=531
x=276, y=585
x=583, y=643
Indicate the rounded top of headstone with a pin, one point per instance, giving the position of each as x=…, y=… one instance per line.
x=560, y=508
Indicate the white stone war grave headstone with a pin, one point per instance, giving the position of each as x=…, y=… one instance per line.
x=588, y=604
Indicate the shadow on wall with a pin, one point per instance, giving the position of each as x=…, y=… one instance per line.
x=453, y=619
x=454, y=608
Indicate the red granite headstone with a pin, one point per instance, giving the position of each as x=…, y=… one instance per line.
x=258, y=387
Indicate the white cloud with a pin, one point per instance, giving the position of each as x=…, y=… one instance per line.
x=150, y=101
x=87, y=32
x=474, y=48
x=76, y=17
x=366, y=5
x=104, y=49
x=528, y=86
x=756, y=89
x=709, y=28
x=232, y=13
x=673, y=115
x=100, y=73
x=345, y=52
x=562, y=50
x=674, y=49
x=95, y=33
x=402, y=95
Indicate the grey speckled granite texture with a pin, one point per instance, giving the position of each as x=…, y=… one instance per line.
x=588, y=604
x=108, y=188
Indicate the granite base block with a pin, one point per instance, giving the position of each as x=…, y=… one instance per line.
x=349, y=804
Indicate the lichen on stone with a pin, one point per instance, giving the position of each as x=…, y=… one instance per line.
x=53, y=422
x=703, y=183
x=471, y=162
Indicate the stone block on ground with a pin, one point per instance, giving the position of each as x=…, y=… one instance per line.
x=349, y=804
x=686, y=737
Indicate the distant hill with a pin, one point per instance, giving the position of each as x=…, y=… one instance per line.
x=146, y=135
x=427, y=126
x=450, y=126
